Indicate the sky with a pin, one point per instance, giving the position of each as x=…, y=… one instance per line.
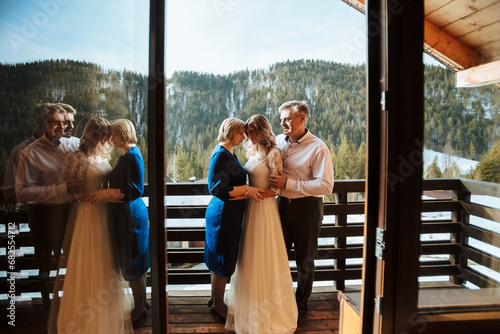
x=111, y=33
x=212, y=36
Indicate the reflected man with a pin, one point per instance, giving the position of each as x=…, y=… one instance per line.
x=9, y=181
x=39, y=183
x=69, y=120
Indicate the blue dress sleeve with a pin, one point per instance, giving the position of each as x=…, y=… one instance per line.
x=134, y=186
x=220, y=169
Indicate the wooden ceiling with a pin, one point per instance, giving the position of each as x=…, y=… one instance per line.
x=464, y=35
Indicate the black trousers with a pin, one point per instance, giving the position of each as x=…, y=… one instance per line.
x=47, y=225
x=301, y=221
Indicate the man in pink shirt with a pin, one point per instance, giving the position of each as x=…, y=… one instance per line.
x=307, y=176
x=39, y=183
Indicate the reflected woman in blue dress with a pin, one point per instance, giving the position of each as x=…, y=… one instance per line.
x=129, y=214
x=227, y=183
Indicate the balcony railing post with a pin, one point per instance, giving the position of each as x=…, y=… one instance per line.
x=340, y=241
x=459, y=217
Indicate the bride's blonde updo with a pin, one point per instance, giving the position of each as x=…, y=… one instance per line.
x=264, y=132
x=94, y=146
x=95, y=138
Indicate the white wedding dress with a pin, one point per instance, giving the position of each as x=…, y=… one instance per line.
x=261, y=298
x=94, y=298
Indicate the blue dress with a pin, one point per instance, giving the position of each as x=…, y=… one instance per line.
x=223, y=217
x=130, y=219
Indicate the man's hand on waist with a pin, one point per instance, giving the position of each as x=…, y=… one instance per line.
x=278, y=181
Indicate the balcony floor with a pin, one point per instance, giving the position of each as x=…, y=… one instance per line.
x=189, y=314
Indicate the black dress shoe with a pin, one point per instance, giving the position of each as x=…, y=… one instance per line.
x=210, y=303
x=141, y=320
x=301, y=318
x=216, y=315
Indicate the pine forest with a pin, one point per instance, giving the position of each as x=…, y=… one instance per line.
x=461, y=122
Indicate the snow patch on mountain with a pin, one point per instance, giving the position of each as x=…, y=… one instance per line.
x=444, y=160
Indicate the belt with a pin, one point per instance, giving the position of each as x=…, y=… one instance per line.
x=300, y=199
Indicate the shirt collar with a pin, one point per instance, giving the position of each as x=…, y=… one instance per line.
x=54, y=142
x=301, y=139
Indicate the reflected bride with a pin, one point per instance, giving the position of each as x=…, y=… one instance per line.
x=93, y=295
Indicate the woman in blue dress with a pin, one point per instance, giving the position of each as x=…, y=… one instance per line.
x=129, y=214
x=227, y=184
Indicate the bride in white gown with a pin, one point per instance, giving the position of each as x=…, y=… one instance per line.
x=261, y=298
x=93, y=295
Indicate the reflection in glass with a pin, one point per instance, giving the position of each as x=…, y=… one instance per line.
x=85, y=59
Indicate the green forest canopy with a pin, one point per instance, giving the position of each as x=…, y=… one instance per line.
x=198, y=102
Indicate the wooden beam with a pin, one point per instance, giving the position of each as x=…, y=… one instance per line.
x=482, y=211
x=481, y=188
x=439, y=44
x=481, y=75
x=463, y=12
x=477, y=20
x=358, y=4
x=448, y=48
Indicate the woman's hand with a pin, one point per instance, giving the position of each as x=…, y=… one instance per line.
x=104, y=195
x=84, y=197
x=242, y=192
x=95, y=197
x=255, y=193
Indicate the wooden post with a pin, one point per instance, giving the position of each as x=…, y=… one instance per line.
x=340, y=242
x=156, y=166
x=373, y=163
x=459, y=217
x=395, y=137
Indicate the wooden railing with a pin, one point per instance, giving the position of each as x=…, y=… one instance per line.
x=450, y=204
x=452, y=198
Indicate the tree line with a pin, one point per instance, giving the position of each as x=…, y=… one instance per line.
x=462, y=122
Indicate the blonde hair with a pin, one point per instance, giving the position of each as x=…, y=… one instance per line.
x=264, y=132
x=125, y=130
x=94, y=145
x=97, y=130
x=229, y=127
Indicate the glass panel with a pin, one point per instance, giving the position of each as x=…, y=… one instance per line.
x=236, y=58
x=459, y=262
x=63, y=65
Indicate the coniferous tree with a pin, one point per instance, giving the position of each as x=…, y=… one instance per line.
x=452, y=171
x=489, y=166
x=433, y=170
x=463, y=121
